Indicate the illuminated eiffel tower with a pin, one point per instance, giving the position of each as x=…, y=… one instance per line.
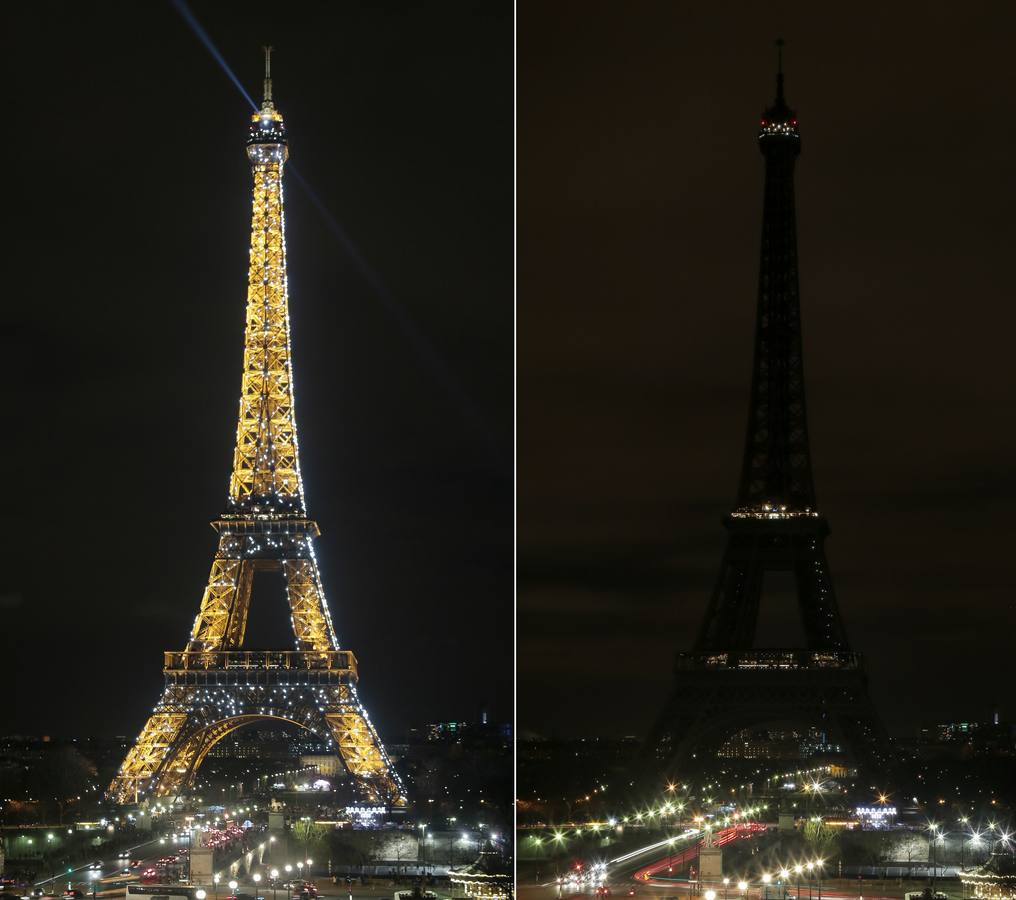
x=214, y=686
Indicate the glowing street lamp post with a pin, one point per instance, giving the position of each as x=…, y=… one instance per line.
x=798, y=869
x=726, y=884
x=811, y=869
x=274, y=873
x=766, y=878
x=933, y=828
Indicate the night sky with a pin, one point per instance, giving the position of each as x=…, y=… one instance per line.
x=127, y=206
x=639, y=213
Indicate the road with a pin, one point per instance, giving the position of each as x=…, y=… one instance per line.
x=838, y=889
x=643, y=872
x=80, y=879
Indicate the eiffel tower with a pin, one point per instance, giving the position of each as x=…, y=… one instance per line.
x=214, y=686
x=726, y=684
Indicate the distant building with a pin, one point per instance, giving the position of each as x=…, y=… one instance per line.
x=266, y=744
x=489, y=877
x=328, y=765
x=452, y=731
x=993, y=737
x=765, y=743
x=995, y=880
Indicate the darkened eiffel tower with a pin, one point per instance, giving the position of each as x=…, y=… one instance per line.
x=726, y=684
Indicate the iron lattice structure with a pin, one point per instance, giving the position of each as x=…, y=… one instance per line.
x=214, y=686
x=725, y=684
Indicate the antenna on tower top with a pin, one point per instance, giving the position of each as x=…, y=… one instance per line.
x=268, y=73
x=779, y=70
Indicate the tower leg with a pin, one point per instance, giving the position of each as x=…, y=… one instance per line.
x=161, y=732
x=363, y=754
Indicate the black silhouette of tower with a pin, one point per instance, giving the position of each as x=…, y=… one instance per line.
x=726, y=684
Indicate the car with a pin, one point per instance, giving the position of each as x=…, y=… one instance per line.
x=603, y=891
x=73, y=894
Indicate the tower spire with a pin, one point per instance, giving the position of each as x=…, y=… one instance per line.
x=268, y=73
x=779, y=71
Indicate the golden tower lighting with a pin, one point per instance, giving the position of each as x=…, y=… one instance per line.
x=215, y=685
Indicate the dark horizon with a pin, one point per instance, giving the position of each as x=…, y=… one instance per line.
x=132, y=204
x=639, y=224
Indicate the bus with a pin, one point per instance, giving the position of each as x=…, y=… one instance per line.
x=162, y=891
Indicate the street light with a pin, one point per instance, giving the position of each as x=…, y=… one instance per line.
x=289, y=868
x=726, y=884
x=274, y=873
x=215, y=885
x=200, y=893
x=933, y=828
x=798, y=869
x=766, y=878
x=232, y=885
x=710, y=895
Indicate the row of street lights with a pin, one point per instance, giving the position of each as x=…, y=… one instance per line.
x=273, y=875
x=813, y=869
